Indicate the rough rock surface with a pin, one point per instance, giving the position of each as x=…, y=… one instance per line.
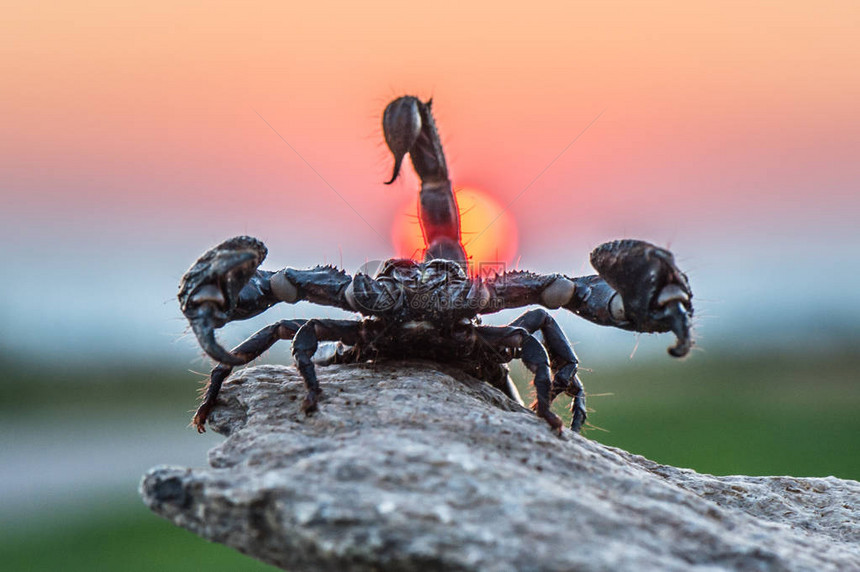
x=411, y=467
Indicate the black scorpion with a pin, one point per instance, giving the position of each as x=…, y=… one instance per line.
x=431, y=309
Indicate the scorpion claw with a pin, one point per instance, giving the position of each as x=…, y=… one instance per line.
x=654, y=294
x=679, y=320
x=209, y=291
x=202, y=324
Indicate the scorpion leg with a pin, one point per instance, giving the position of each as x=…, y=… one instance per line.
x=409, y=127
x=247, y=351
x=562, y=359
x=305, y=344
x=501, y=380
x=534, y=357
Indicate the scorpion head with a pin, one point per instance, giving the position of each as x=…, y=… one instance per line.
x=209, y=290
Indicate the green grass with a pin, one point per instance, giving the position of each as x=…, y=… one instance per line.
x=781, y=415
x=772, y=414
x=131, y=541
x=27, y=388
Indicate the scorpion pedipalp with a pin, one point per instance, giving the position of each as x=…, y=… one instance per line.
x=679, y=321
x=203, y=326
x=209, y=291
x=655, y=294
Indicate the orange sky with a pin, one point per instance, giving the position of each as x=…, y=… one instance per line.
x=134, y=135
x=148, y=111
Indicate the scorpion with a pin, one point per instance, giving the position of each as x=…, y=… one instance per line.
x=431, y=309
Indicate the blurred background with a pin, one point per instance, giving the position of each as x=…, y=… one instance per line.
x=134, y=136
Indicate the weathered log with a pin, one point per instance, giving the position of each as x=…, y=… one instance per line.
x=410, y=466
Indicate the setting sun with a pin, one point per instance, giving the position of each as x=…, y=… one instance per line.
x=489, y=233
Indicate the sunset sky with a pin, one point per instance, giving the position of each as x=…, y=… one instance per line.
x=135, y=135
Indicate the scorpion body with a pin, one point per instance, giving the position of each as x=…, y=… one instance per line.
x=431, y=309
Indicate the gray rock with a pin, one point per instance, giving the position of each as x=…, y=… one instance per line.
x=409, y=466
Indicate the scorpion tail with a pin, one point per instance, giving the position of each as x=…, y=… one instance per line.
x=409, y=127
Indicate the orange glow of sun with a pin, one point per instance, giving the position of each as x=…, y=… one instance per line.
x=488, y=232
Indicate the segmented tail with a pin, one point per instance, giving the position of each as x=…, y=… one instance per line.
x=409, y=127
